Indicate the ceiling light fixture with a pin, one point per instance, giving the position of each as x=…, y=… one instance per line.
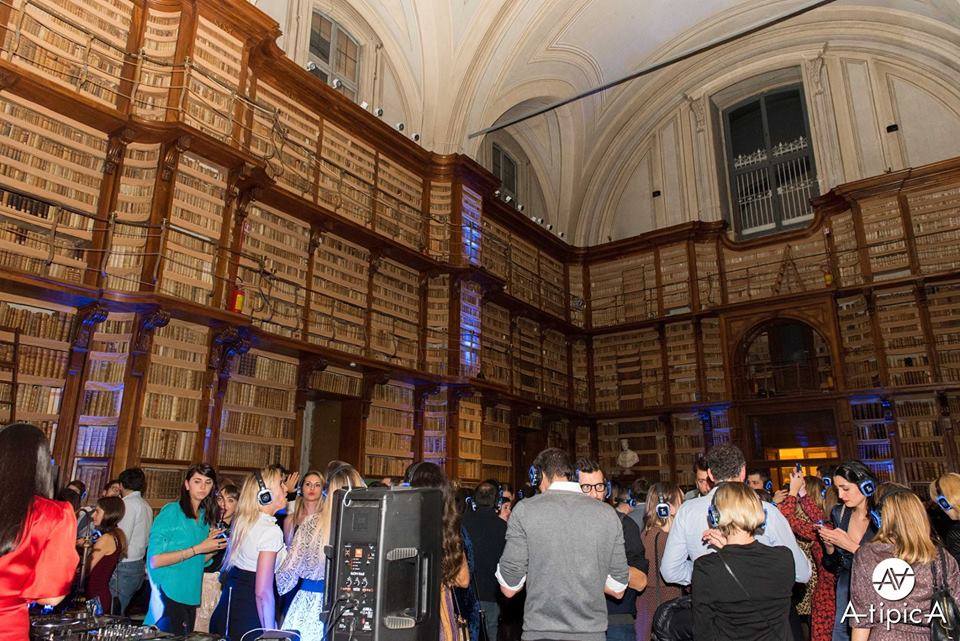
x=416, y=137
x=400, y=126
x=378, y=111
x=364, y=104
x=337, y=83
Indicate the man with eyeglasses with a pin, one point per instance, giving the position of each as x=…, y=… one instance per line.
x=567, y=551
x=622, y=612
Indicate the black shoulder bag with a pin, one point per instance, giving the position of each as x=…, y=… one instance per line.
x=947, y=626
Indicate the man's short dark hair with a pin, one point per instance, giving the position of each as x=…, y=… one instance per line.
x=586, y=466
x=763, y=474
x=699, y=464
x=725, y=461
x=554, y=463
x=639, y=488
x=133, y=479
x=486, y=494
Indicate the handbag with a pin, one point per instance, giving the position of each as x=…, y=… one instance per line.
x=947, y=627
x=460, y=625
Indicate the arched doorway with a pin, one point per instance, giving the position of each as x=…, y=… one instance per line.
x=784, y=376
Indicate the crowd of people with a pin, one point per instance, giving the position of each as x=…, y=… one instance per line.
x=575, y=556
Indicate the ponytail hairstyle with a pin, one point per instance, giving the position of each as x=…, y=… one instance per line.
x=27, y=473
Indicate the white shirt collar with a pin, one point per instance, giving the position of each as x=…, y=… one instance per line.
x=565, y=486
x=266, y=518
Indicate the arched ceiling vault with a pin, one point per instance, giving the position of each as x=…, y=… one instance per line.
x=463, y=64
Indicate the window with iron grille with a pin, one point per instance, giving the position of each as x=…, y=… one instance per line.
x=334, y=55
x=770, y=162
x=505, y=168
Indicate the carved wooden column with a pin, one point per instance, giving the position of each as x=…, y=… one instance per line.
x=127, y=452
x=85, y=325
x=225, y=347
x=103, y=226
x=375, y=258
x=156, y=243
x=231, y=257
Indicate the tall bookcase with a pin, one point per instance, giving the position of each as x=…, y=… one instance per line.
x=469, y=439
x=496, y=447
x=389, y=430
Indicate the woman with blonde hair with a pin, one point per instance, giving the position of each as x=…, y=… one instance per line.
x=805, y=508
x=306, y=563
x=663, y=501
x=742, y=591
x=247, y=602
x=904, y=534
x=309, y=493
x=945, y=492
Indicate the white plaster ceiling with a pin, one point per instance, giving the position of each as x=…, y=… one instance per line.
x=466, y=63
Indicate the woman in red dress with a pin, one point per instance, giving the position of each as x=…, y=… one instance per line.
x=37, y=535
x=805, y=508
x=107, y=551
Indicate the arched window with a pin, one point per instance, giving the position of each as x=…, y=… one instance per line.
x=505, y=168
x=769, y=162
x=334, y=55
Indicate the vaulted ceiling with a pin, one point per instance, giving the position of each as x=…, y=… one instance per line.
x=463, y=65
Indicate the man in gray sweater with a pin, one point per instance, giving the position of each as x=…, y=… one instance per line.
x=567, y=549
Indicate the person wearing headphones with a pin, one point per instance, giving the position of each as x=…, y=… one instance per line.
x=567, y=550
x=488, y=533
x=247, y=601
x=850, y=527
x=691, y=536
x=622, y=612
x=742, y=592
x=183, y=538
x=904, y=533
x=663, y=501
x=306, y=563
x=945, y=494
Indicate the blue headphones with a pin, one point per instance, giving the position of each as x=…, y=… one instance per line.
x=535, y=475
x=768, y=486
x=663, y=508
x=632, y=501
x=713, y=514
x=608, y=490
x=471, y=504
x=866, y=483
x=876, y=513
x=264, y=495
x=942, y=500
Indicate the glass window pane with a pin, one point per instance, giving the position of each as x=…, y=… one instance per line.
x=509, y=175
x=347, y=57
x=320, y=34
x=496, y=163
x=320, y=73
x=785, y=117
x=746, y=129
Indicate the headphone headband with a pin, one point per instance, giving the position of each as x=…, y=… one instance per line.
x=264, y=495
x=941, y=499
x=876, y=514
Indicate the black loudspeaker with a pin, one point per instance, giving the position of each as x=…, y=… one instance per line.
x=383, y=569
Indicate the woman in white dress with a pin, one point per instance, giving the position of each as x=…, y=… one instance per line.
x=306, y=562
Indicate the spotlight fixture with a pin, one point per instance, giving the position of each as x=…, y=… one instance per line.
x=563, y=234
x=400, y=126
x=337, y=83
x=416, y=137
x=533, y=218
x=364, y=104
x=508, y=199
x=378, y=112
x=549, y=227
x=519, y=207
x=352, y=364
x=311, y=66
x=496, y=193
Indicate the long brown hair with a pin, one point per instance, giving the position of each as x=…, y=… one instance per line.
x=113, y=510
x=27, y=473
x=671, y=493
x=425, y=474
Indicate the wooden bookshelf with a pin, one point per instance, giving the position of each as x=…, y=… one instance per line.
x=131, y=227
x=714, y=372
x=292, y=159
x=42, y=353
x=555, y=374
x=643, y=435
x=155, y=74
x=435, y=421
x=846, y=250
x=558, y=435
x=471, y=217
x=258, y=422
x=675, y=278
x=172, y=408
x=471, y=296
x=944, y=309
x=885, y=237
x=163, y=484
x=495, y=249
x=871, y=431
x=337, y=381
x=719, y=427
x=438, y=322
x=651, y=367
x=347, y=170
x=860, y=366
x=922, y=446
x=580, y=355
x=527, y=358
x=395, y=305
x=213, y=80
x=388, y=430
x=272, y=269
x=935, y=214
x=552, y=292
x=399, y=204
x=338, y=296
x=687, y=442
x=524, y=282
x=101, y=400
x=583, y=442
x=495, y=344
x=577, y=303
x=441, y=205
x=605, y=372
x=496, y=447
x=682, y=362
x=469, y=439
x=708, y=275
x=903, y=343
x=194, y=232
